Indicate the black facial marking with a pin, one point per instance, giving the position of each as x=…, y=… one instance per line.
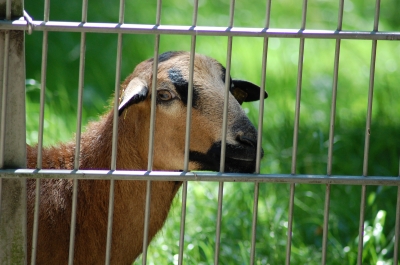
x=165, y=56
x=223, y=75
x=181, y=86
x=211, y=159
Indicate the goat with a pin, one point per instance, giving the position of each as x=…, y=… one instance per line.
x=132, y=149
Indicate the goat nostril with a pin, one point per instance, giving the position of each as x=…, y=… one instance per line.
x=246, y=140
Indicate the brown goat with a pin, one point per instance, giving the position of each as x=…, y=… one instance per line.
x=133, y=133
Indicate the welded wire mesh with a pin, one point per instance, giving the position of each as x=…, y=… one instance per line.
x=193, y=30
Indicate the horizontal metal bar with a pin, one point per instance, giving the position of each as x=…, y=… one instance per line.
x=197, y=30
x=198, y=176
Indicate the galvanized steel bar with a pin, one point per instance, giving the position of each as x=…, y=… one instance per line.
x=262, y=94
x=361, y=225
x=42, y=98
x=227, y=91
x=298, y=93
x=40, y=133
x=187, y=148
x=326, y=222
x=61, y=26
x=43, y=81
x=12, y=138
x=397, y=225
x=114, y=137
x=153, y=92
x=110, y=221
x=334, y=91
x=290, y=224
x=190, y=92
x=367, y=136
x=254, y=223
x=35, y=223
x=187, y=135
x=296, y=132
x=146, y=222
x=224, y=134
x=331, y=135
x=259, y=136
x=78, y=135
x=370, y=94
x=4, y=98
x=4, y=90
x=151, y=136
x=151, y=149
x=73, y=223
x=116, y=90
x=198, y=176
x=80, y=89
x=218, y=225
x=183, y=222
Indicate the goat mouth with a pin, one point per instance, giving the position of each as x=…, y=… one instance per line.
x=239, y=158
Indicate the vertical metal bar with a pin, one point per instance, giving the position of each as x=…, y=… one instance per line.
x=298, y=93
x=262, y=94
x=40, y=136
x=43, y=85
x=331, y=136
x=73, y=223
x=370, y=94
x=259, y=137
x=110, y=221
x=219, y=216
x=296, y=133
x=227, y=89
x=367, y=135
x=361, y=225
x=80, y=88
x=224, y=132
x=153, y=91
x=334, y=92
x=151, y=135
x=116, y=90
x=5, y=85
x=190, y=90
x=114, y=136
x=35, y=223
x=183, y=220
x=254, y=223
x=78, y=134
x=12, y=138
x=4, y=98
x=326, y=222
x=290, y=224
x=187, y=135
x=397, y=228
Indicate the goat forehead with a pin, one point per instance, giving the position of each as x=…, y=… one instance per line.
x=181, y=85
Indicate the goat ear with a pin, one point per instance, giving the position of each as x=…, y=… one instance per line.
x=245, y=91
x=135, y=92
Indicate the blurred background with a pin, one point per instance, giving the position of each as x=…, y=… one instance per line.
x=281, y=79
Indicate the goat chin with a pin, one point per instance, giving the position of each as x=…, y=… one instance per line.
x=133, y=131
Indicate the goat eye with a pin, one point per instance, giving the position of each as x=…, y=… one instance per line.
x=164, y=95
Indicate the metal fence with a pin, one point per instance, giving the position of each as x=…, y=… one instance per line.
x=16, y=22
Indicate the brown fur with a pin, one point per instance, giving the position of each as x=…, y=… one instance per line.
x=133, y=133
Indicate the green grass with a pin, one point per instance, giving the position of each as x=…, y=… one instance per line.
x=352, y=97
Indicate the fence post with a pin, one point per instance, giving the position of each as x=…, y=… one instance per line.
x=13, y=138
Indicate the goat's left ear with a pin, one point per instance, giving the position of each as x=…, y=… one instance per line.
x=135, y=92
x=245, y=91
